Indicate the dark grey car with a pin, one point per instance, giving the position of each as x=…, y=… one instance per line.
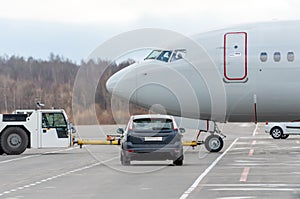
x=151, y=137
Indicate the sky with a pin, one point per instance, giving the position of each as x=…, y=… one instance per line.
x=74, y=28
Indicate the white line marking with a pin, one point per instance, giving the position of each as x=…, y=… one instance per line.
x=16, y=159
x=37, y=155
x=257, y=138
x=245, y=125
x=254, y=132
x=238, y=197
x=249, y=161
x=252, y=185
x=244, y=175
x=265, y=164
x=200, y=178
x=240, y=149
x=56, y=176
x=256, y=189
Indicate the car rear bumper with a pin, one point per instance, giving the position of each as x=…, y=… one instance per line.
x=153, y=153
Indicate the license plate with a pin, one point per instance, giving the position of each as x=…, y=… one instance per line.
x=153, y=138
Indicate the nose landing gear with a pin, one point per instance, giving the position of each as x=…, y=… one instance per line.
x=214, y=142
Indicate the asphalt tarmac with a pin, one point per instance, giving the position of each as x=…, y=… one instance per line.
x=251, y=165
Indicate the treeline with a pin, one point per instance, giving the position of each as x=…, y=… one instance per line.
x=23, y=81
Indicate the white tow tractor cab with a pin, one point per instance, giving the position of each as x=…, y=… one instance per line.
x=34, y=129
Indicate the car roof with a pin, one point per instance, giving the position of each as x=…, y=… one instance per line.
x=134, y=117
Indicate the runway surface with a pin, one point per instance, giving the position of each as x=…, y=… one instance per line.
x=251, y=165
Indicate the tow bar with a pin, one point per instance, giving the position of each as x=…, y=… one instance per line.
x=115, y=140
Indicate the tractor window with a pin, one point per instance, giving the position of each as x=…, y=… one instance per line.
x=53, y=120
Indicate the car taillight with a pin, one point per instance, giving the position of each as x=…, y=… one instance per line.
x=130, y=127
x=130, y=151
x=267, y=123
x=174, y=125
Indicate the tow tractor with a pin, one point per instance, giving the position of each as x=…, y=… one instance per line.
x=39, y=128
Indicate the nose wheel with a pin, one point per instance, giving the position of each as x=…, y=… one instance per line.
x=214, y=143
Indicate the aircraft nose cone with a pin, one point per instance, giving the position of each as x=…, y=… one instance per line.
x=111, y=83
x=122, y=83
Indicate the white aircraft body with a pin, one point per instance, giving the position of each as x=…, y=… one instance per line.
x=247, y=73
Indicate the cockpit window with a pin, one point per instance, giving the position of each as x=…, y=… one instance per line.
x=178, y=54
x=167, y=55
x=154, y=54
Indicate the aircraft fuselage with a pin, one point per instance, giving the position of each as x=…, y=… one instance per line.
x=247, y=73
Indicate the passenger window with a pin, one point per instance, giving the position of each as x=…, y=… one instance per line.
x=290, y=56
x=263, y=56
x=277, y=56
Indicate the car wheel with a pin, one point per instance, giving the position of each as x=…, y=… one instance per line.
x=214, y=143
x=276, y=132
x=125, y=161
x=284, y=136
x=179, y=161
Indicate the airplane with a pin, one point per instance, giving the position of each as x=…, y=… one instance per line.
x=245, y=73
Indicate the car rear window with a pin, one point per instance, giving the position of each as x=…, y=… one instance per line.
x=152, y=124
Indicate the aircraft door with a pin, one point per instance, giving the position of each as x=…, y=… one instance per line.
x=235, y=57
x=54, y=130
